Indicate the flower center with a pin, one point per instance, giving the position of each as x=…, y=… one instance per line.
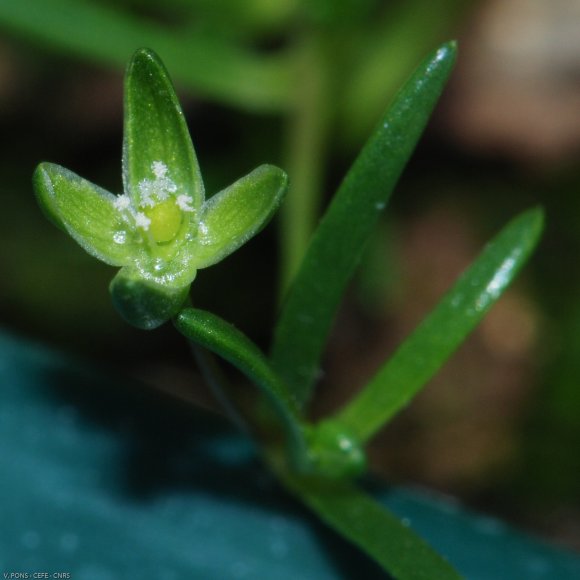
x=166, y=219
x=159, y=209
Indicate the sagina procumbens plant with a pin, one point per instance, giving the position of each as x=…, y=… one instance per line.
x=162, y=229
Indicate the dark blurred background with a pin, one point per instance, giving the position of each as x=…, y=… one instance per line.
x=300, y=84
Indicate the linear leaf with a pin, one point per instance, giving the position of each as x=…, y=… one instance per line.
x=220, y=337
x=437, y=337
x=339, y=241
x=375, y=530
x=405, y=31
x=104, y=34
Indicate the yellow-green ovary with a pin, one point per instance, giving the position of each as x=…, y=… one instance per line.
x=166, y=219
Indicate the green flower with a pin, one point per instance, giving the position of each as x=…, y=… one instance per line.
x=161, y=230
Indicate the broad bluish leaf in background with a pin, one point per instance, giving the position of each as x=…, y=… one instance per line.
x=439, y=335
x=103, y=478
x=339, y=241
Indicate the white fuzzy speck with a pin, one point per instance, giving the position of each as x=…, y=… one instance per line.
x=158, y=189
x=184, y=202
x=142, y=221
x=122, y=202
x=147, y=189
x=120, y=237
x=168, y=185
x=159, y=169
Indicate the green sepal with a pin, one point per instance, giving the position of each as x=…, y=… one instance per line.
x=86, y=212
x=155, y=130
x=143, y=303
x=234, y=215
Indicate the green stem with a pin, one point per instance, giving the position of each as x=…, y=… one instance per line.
x=219, y=385
x=211, y=332
x=307, y=131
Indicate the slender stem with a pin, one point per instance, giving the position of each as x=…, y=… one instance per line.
x=218, y=385
x=216, y=380
x=305, y=154
x=209, y=331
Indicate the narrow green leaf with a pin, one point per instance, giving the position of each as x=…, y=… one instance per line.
x=375, y=530
x=403, y=33
x=231, y=217
x=339, y=241
x=220, y=337
x=438, y=336
x=157, y=148
x=86, y=212
x=105, y=34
